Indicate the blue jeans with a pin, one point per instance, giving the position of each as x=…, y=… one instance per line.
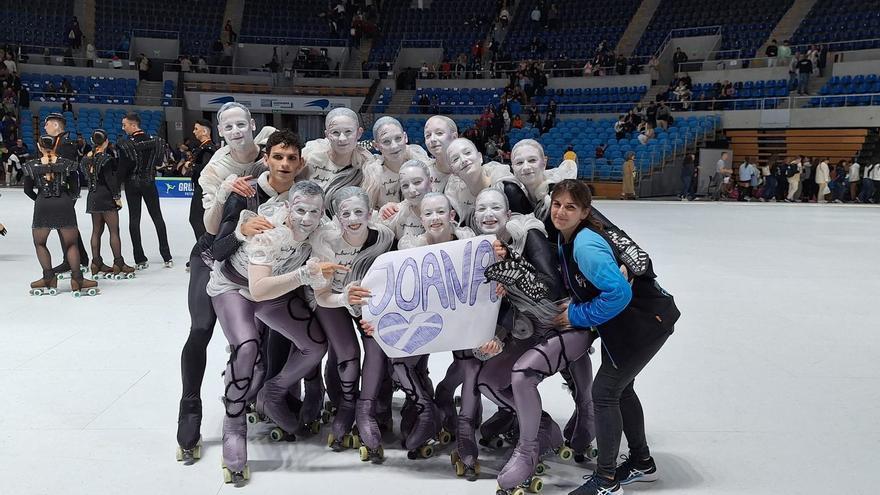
x=867, y=190
x=686, y=186
x=803, y=82
x=769, y=187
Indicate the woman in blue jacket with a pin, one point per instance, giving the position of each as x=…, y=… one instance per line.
x=614, y=297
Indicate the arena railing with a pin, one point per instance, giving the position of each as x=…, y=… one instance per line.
x=154, y=33
x=284, y=75
x=148, y=101
x=291, y=40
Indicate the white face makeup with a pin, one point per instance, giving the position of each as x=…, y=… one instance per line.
x=438, y=136
x=414, y=184
x=491, y=212
x=343, y=133
x=305, y=215
x=464, y=160
x=528, y=165
x=436, y=216
x=236, y=128
x=353, y=215
x=391, y=142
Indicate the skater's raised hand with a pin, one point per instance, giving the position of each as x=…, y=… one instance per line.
x=242, y=187
x=490, y=348
x=255, y=225
x=389, y=210
x=368, y=327
x=357, y=295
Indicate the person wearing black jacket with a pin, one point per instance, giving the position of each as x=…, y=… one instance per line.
x=139, y=157
x=103, y=203
x=688, y=171
x=201, y=157
x=54, y=126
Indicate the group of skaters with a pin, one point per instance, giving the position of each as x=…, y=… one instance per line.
x=53, y=182
x=290, y=229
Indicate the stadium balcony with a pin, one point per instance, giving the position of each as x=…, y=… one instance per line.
x=744, y=26
x=196, y=24
x=94, y=89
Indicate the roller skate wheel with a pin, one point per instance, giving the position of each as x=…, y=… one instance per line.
x=315, y=427
x=459, y=468
x=325, y=417
x=445, y=437
x=364, y=452
x=197, y=451
x=253, y=418
x=53, y=292
x=129, y=276
x=593, y=452
x=356, y=441
x=77, y=294
x=227, y=475
x=179, y=454
x=426, y=451
x=540, y=468
x=536, y=485
x=277, y=434
x=92, y=292
x=412, y=455
x=330, y=440
x=454, y=457
x=476, y=468
x=566, y=453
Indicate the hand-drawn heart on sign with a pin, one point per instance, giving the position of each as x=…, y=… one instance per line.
x=409, y=335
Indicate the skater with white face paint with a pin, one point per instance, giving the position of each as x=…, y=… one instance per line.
x=529, y=165
x=524, y=320
x=229, y=170
x=470, y=176
x=381, y=175
x=355, y=243
x=336, y=161
x=421, y=421
x=415, y=184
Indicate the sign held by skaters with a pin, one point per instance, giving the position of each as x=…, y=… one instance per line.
x=432, y=298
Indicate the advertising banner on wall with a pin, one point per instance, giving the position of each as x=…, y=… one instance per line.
x=274, y=103
x=174, y=187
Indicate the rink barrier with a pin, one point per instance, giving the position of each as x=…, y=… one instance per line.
x=174, y=187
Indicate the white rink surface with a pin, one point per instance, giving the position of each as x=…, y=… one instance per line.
x=770, y=383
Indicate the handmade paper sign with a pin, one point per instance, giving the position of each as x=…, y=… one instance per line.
x=433, y=298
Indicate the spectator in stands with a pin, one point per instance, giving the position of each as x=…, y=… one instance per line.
x=854, y=178
x=793, y=73
x=202, y=65
x=549, y=122
x=804, y=69
x=534, y=117
x=74, y=34
x=517, y=122
x=646, y=133
x=679, y=58
x=629, y=176
x=813, y=57
x=67, y=106
x=90, y=54
x=536, y=14
x=654, y=70
x=424, y=103
x=571, y=155
x=683, y=93
x=771, y=53
x=664, y=116
x=620, y=127
x=423, y=71
x=66, y=88
x=143, y=65
x=823, y=60
x=435, y=105
x=82, y=147
x=768, y=176
x=9, y=62
x=504, y=17
x=229, y=34
x=24, y=98
x=808, y=183
x=870, y=184
x=783, y=54
x=722, y=175
x=185, y=63
x=651, y=113
x=793, y=176
x=620, y=65
x=822, y=178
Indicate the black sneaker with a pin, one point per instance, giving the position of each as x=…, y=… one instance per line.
x=631, y=471
x=598, y=485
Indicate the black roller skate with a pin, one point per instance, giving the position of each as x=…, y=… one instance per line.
x=189, y=422
x=493, y=429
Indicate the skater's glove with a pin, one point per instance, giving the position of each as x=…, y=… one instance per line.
x=225, y=189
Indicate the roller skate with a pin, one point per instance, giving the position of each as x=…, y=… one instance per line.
x=339, y=440
x=235, y=468
x=46, y=286
x=408, y=416
x=84, y=287
x=448, y=409
x=276, y=412
x=517, y=476
x=189, y=421
x=141, y=265
x=121, y=270
x=168, y=264
x=310, y=415
x=550, y=442
x=328, y=412
x=63, y=271
x=100, y=270
x=369, y=431
x=422, y=440
x=464, y=456
x=578, y=434
x=493, y=429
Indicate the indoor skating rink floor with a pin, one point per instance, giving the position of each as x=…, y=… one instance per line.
x=770, y=383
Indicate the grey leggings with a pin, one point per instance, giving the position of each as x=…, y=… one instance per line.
x=244, y=373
